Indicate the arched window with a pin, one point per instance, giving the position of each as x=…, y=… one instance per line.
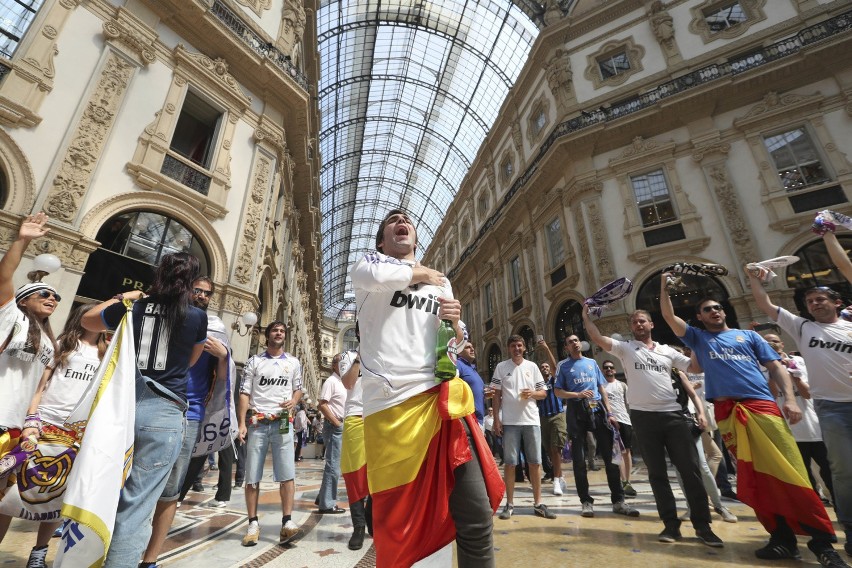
x=529, y=341
x=569, y=322
x=494, y=357
x=816, y=269
x=684, y=301
x=350, y=341
x=132, y=244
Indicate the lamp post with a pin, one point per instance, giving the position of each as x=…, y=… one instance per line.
x=43, y=265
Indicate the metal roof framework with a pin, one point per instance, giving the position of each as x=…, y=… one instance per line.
x=408, y=91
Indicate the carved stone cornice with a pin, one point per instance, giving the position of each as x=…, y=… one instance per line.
x=643, y=150
x=773, y=106
x=257, y=6
x=714, y=148
x=127, y=31
x=216, y=73
x=580, y=189
x=275, y=140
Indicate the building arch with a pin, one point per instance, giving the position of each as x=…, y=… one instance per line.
x=20, y=183
x=551, y=334
x=814, y=268
x=495, y=355
x=168, y=206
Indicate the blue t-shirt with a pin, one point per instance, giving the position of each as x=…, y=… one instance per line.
x=550, y=405
x=468, y=374
x=162, y=357
x=731, y=361
x=578, y=375
x=198, y=385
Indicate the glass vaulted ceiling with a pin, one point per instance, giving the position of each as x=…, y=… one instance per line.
x=408, y=91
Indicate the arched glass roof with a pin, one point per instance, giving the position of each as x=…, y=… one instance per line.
x=408, y=91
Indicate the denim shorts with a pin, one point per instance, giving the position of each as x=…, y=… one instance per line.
x=175, y=481
x=512, y=438
x=260, y=437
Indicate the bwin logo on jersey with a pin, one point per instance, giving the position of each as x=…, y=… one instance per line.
x=412, y=301
x=273, y=381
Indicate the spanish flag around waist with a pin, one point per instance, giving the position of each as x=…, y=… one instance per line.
x=412, y=450
x=771, y=476
x=353, y=459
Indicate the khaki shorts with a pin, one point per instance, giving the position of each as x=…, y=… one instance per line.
x=553, y=431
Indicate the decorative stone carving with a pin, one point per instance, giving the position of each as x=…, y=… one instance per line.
x=125, y=31
x=559, y=79
x=257, y=6
x=753, y=10
x=585, y=253
x=252, y=220
x=773, y=104
x=600, y=242
x=662, y=25
x=709, y=149
x=639, y=146
x=552, y=12
x=87, y=144
x=517, y=140
x=628, y=46
x=274, y=140
x=293, y=21
x=217, y=69
x=731, y=209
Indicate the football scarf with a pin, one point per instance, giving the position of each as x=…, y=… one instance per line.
x=763, y=269
x=608, y=294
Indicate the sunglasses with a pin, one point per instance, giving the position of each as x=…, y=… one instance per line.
x=607, y=367
x=200, y=292
x=47, y=294
x=713, y=308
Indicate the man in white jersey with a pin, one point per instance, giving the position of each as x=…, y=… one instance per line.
x=661, y=426
x=400, y=305
x=518, y=384
x=272, y=386
x=331, y=405
x=353, y=461
x=826, y=347
x=616, y=391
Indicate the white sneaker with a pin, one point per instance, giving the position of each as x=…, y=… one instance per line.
x=289, y=531
x=563, y=483
x=726, y=515
x=557, y=487
x=252, y=534
x=217, y=504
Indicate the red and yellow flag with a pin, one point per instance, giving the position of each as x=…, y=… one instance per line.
x=412, y=450
x=771, y=476
x=353, y=459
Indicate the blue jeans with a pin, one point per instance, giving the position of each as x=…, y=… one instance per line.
x=835, y=421
x=259, y=438
x=176, y=476
x=159, y=429
x=333, y=436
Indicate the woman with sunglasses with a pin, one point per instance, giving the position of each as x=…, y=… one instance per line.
x=63, y=383
x=169, y=335
x=26, y=340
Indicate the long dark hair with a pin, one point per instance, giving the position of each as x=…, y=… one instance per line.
x=70, y=337
x=172, y=287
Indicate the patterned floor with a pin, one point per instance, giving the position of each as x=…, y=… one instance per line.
x=202, y=536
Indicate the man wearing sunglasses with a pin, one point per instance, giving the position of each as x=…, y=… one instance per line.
x=826, y=347
x=771, y=476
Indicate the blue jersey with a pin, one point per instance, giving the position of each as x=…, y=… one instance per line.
x=731, y=361
x=550, y=405
x=468, y=373
x=578, y=375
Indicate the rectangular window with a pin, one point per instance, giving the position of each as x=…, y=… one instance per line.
x=615, y=64
x=653, y=198
x=796, y=159
x=726, y=16
x=555, y=243
x=515, y=275
x=196, y=130
x=16, y=16
x=488, y=301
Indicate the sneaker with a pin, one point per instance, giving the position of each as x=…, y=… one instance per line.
x=708, y=537
x=628, y=489
x=198, y=486
x=669, y=535
x=252, y=534
x=289, y=531
x=37, y=557
x=238, y=483
x=507, y=511
x=774, y=551
x=557, y=487
x=179, y=503
x=217, y=504
x=588, y=510
x=214, y=467
x=726, y=515
x=542, y=511
x=563, y=483
x=622, y=508
x=827, y=558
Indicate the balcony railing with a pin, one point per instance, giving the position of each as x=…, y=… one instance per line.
x=186, y=175
x=733, y=66
x=257, y=43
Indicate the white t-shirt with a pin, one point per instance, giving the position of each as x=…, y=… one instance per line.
x=807, y=429
x=355, y=395
x=269, y=381
x=510, y=379
x=615, y=391
x=399, y=328
x=334, y=394
x=648, y=373
x=68, y=384
x=20, y=371
x=827, y=351
x=488, y=423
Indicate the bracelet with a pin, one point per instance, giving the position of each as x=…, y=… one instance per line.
x=32, y=424
x=609, y=414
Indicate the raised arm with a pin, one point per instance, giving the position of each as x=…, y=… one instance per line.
x=676, y=323
x=838, y=255
x=551, y=360
x=761, y=297
x=33, y=227
x=595, y=334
